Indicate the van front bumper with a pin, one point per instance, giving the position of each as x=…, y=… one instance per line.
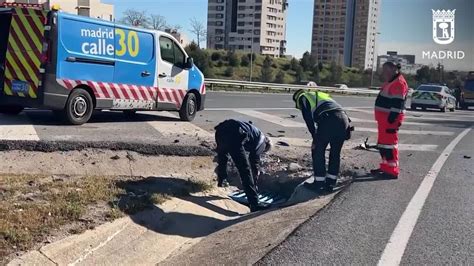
x=203, y=100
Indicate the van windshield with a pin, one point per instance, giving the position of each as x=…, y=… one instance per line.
x=429, y=88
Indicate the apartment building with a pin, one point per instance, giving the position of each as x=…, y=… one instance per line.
x=248, y=25
x=88, y=8
x=345, y=31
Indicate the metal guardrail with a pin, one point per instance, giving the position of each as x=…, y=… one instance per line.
x=212, y=84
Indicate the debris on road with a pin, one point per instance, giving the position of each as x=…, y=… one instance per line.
x=115, y=157
x=294, y=167
x=176, y=141
x=282, y=143
x=281, y=131
x=130, y=157
x=293, y=116
x=467, y=157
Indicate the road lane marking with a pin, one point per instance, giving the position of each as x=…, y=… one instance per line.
x=271, y=118
x=17, y=128
x=395, y=248
x=293, y=124
x=424, y=116
x=172, y=129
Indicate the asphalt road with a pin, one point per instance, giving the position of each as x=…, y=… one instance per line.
x=357, y=226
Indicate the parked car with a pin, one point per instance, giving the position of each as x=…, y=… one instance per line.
x=433, y=96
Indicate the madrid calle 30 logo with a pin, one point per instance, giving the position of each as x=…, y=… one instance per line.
x=443, y=26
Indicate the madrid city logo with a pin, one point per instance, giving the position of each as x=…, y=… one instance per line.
x=443, y=33
x=443, y=26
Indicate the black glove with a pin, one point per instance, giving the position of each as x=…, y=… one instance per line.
x=392, y=117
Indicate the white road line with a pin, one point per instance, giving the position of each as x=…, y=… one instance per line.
x=249, y=109
x=271, y=118
x=293, y=124
x=398, y=242
x=17, y=128
x=425, y=116
x=171, y=129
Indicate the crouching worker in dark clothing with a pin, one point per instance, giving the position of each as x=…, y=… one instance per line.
x=333, y=129
x=236, y=138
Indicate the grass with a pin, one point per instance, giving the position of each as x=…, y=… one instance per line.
x=31, y=207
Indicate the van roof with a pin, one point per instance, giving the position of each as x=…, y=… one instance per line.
x=95, y=20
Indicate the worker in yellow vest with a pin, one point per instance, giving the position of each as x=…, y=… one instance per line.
x=333, y=127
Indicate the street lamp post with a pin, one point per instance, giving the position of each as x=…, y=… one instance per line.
x=374, y=61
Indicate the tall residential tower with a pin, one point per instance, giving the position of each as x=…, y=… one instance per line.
x=248, y=25
x=345, y=31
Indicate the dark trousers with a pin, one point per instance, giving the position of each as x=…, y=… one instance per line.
x=332, y=130
x=233, y=145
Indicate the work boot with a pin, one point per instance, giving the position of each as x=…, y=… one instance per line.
x=330, y=184
x=389, y=176
x=315, y=186
x=376, y=172
x=259, y=207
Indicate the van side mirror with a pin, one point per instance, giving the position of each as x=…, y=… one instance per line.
x=189, y=63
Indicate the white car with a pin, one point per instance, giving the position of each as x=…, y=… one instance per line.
x=341, y=86
x=433, y=96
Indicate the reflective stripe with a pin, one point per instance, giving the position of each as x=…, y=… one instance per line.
x=333, y=177
x=392, y=164
x=386, y=94
x=381, y=109
x=396, y=110
x=386, y=146
x=320, y=178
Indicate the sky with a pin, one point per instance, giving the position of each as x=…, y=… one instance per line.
x=405, y=25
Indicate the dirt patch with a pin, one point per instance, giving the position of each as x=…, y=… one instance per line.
x=142, y=148
x=36, y=210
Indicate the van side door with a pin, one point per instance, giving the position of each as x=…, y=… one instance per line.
x=172, y=75
x=135, y=61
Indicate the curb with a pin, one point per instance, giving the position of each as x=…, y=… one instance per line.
x=141, y=148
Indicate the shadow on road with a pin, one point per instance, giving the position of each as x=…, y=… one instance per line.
x=139, y=201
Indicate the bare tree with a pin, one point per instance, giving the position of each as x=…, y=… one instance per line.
x=135, y=18
x=198, y=28
x=158, y=22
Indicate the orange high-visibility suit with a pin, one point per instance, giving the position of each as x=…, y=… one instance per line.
x=389, y=114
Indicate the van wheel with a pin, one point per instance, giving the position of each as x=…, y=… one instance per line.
x=189, y=108
x=452, y=109
x=413, y=107
x=10, y=110
x=79, y=107
x=443, y=110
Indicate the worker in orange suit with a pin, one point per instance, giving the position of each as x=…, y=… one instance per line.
x=389, y=114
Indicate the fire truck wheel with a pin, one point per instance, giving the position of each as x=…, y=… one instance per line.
x=10, y=110
x=79, y=107
x=189, y=108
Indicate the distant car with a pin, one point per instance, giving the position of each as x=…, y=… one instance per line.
x=312, y=84
x=433, y=96
x=341, y=86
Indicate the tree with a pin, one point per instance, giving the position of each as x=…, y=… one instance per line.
x=320, y=66
x=423, y=74
x=234, y=60
x=135, y=18
x=198, y=28
x=306, y=61
x=267, y=72
x=157, y=22
x=201, y=59
x=336, y=72
x=245, y=61
x=300, y=74
x=315, y=74
x=294, y=64
x=229, y=72
x=216, y=56
x=280, y=77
